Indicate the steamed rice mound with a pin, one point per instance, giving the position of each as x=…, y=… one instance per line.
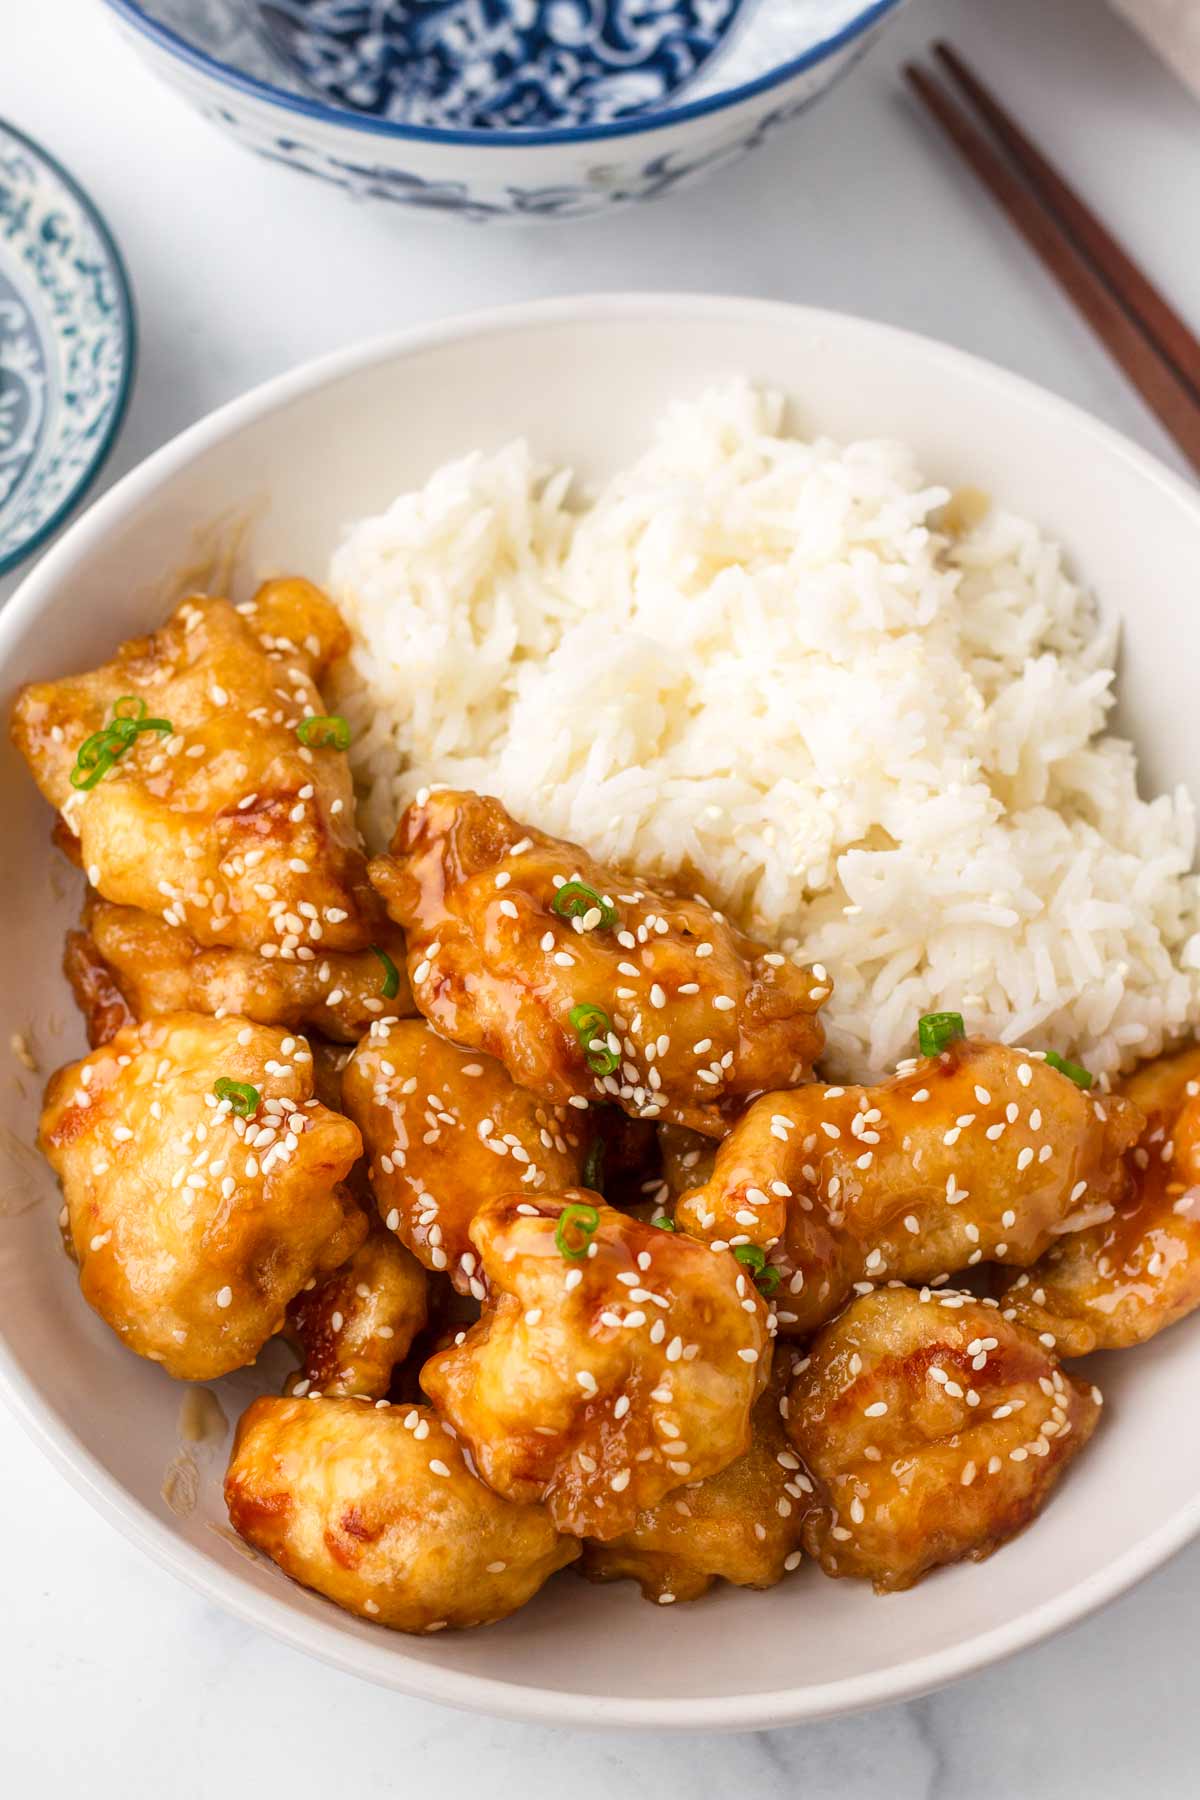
x=777, y=668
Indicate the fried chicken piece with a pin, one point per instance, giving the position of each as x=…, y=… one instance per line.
x=354, y=1327
x=1136, y=1269
x=446, y=1130
x=980, y=1154
x=742, y=1525
x=933, y=1430
x=154, y=968
x=379, y=1511
x=647, y=998
x=599, y=1379
x=222, y=821
x=192, y=1226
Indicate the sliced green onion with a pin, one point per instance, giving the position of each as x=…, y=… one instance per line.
x=937, y=1030
x=321, y=731
x=663, y=1223
x=575, y=900
x=243, y=1099
x=767, y=1280
x=592, y=1027
x=753, y=1258
x=97, y=753
x=593, y=1166
x=1081, y=1077
x=391, y=974
x=576, y=1218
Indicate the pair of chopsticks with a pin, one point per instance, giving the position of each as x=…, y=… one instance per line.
x=1138, y=326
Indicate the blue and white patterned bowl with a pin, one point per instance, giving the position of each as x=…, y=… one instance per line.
x=526, y=109
x=66, y=344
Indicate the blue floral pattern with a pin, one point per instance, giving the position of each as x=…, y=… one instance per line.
x=66, y=344
x=496, y=63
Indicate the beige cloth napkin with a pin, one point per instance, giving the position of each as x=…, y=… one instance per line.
x=1173, y=27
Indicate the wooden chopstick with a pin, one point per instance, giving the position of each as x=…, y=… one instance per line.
x=1165, y=390
x=1133, y=287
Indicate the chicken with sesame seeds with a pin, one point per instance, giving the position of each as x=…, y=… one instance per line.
x=1136, y=1268
x=198, y=777
x=204, y=1185
x=933, y=1430
x=613, y=1361
x=980, y=1153
x=355, y=1326
x=377, y=1508
x=130, y=962
x=742, y=1525
x=587, y=984
x=445, y=1131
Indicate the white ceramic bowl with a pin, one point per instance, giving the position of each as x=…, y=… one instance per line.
x=305, y=454
x=779, y=56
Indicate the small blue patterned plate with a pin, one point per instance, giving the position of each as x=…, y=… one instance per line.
x=67, y=344
x=496, y=64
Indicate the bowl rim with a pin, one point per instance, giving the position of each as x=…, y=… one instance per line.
x=167, y=38
x=384, y=1660
x=127, y=331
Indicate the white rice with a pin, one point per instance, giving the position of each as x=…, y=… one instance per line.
x=755, y=662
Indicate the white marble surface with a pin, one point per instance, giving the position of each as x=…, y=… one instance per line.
x=114, y=1679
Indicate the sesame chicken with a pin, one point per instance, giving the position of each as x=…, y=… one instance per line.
x=587, y=984
x=193, y=1226
x=377, y=1508
x=979, y=1154
x=356, y=1325
x=613, y=1361
x=445, y=1130
x=933, y=1431
x=1136, y=1269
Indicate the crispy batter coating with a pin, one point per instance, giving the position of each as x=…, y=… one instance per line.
x=698, y=1016
x=933, y=1430
x=355, y=1326
x=1137, y=1269
x=980, y=1154
x=378, y=1510
x=193, y=1227
x=149, y=968
x=226, y=824
x=598, y=1383
x=743, y=1525
x=446, y=1130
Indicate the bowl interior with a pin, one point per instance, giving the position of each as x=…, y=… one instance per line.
x=273, y=480
x=505, y=65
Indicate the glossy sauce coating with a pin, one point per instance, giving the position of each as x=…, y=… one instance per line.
x=356, y=1325
x=192, y=1227
x=933, y=1430
x=742, y=1525
x=982, y=1154
x=155, y=968
x=696, y=1017
x=1138, y=1270
x=377, y=1509
x=598, y=1383
x=446, y=1130
x=227, y=825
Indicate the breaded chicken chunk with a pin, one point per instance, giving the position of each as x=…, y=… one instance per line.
x=589, y=984
x=153, y=968
x=203, y=1185
x=446, y=1130
x=933, y=1430
x=979, y=1154
x=357, y=1324
x=613, y=1362
x=742, y=1525
x=202, y=780
x=1136, y=1268
x=378, y=1510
